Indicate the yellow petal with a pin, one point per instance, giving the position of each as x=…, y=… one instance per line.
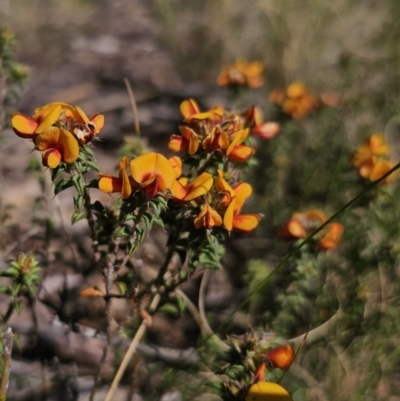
x=81, y=116
x=267, y=391
x=240, y=136
x=222, y=184
x=47, y=117
x=178, y=190
x=51, y=158
x=191, y=137
x=200, y=186
x=228, y=216
x=242, y=191
x=176, y=164
x=24, y=126
x=266, y=130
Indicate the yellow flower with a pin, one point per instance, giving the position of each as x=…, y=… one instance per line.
x=57, y=145
x=153, y=173
x=184, y=191
x=187, y=141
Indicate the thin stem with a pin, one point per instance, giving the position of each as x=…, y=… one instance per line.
x=308, y=239
x=131, y=350
x=7, y=351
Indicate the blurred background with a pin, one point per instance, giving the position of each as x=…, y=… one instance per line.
x=80, y=52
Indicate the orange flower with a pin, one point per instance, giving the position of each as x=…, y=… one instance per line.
x=238, y=152
x=297, y=100
x=217, y=139
x=153, y=172
x=187, y=141
x=122, y=183
x=301, y=225
x=207, y=218
x=242, y=73
x=281, y=357
x=57, y=145
x=234, y=199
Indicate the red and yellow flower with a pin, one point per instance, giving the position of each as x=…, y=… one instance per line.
x=153, y=173
x=207, y=218
x=370, y=161
x=236, y=151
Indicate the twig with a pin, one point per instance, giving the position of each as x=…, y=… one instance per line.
x=131, y=350
x=202, y=312
x=134, y=106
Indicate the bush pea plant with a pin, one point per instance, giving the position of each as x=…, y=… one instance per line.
x=324, y=268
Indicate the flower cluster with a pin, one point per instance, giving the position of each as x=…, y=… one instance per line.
x=301, y=225
x=58, y=130
x=297, y=101
x=210, y=191
x=242, y=73
x=251, y=357
x=370, y=159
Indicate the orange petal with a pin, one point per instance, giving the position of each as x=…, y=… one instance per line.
x=296, y=229
x=109, y=184
x=24, y=126
x=97, y=120
x=200, y=186
x=208, y=218
x=241, y=153
x=189, y=107
x=91, y=292
x=59, y=139
x=177, y=143
x=51, y=158
x=178, y=190
x=222, y=184
x=281, y=357
x=246, y=222
x=153, y=165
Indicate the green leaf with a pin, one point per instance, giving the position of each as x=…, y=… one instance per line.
x=122, y=232
x=90, y=165
x=170, y=309
x=63, y=184
x=78, y=183
x=122, y=287
x=3, y=289
x=86, y=150
x=15, y=289
x=76, y=216
x=78, y=202
x=17, y=307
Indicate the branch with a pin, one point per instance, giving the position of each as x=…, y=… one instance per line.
x=320, y=331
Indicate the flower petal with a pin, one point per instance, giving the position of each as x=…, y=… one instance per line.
x=109, y=184
x=189, y=107
x=176, y=164
x=281, y=357
x=240, y=136
x=241, y=153
x=177, y=143
x=126, y=189
x=263, y=390
x=24, y=126
x=246, y=222
x=97, y=120
x=51, y=158
x=46, y=117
